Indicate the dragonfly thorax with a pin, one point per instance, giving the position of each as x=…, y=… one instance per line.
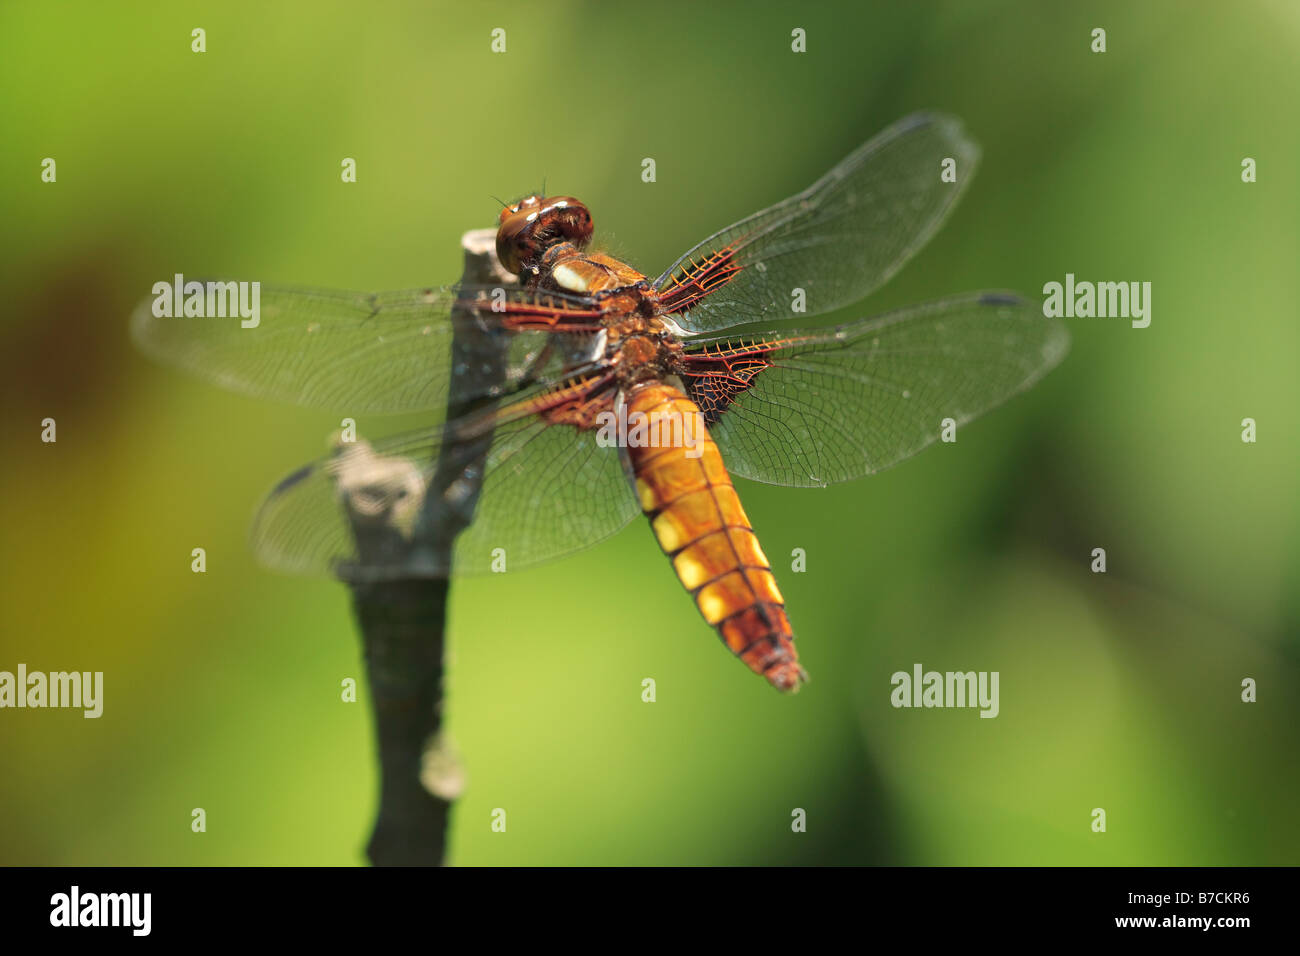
x=536, y=223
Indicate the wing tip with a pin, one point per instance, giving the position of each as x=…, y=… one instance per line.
x=1056, y=340
x=140, y=324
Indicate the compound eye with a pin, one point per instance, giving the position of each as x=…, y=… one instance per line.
x=513, y=208
x=506, y=253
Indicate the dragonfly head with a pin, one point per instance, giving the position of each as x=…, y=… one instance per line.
x=534, y=224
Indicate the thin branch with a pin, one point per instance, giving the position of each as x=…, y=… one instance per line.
x=402, y=620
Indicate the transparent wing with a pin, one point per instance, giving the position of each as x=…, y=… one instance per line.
x=839, y=239
x=359, y=353
x=548, y=490
x=813, y=408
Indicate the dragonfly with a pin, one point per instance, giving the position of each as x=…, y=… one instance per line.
x=583, y=341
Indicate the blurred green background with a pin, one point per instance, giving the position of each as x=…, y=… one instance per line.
x=1118, y=691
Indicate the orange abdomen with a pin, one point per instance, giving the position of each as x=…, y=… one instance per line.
x=696, y=515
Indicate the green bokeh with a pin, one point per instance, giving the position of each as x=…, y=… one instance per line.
x=1118, y=691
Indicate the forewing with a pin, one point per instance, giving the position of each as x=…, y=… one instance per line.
x=836, y=241
x=813, y=408
x=360, y=353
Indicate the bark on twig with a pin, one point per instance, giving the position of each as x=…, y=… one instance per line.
x=402, y=620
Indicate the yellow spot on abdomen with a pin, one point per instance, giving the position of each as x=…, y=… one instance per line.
x=646, y=494
x=724, y=597
x=668, y=533
x=748, y=549
x=690, y=571
x=764, y=585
